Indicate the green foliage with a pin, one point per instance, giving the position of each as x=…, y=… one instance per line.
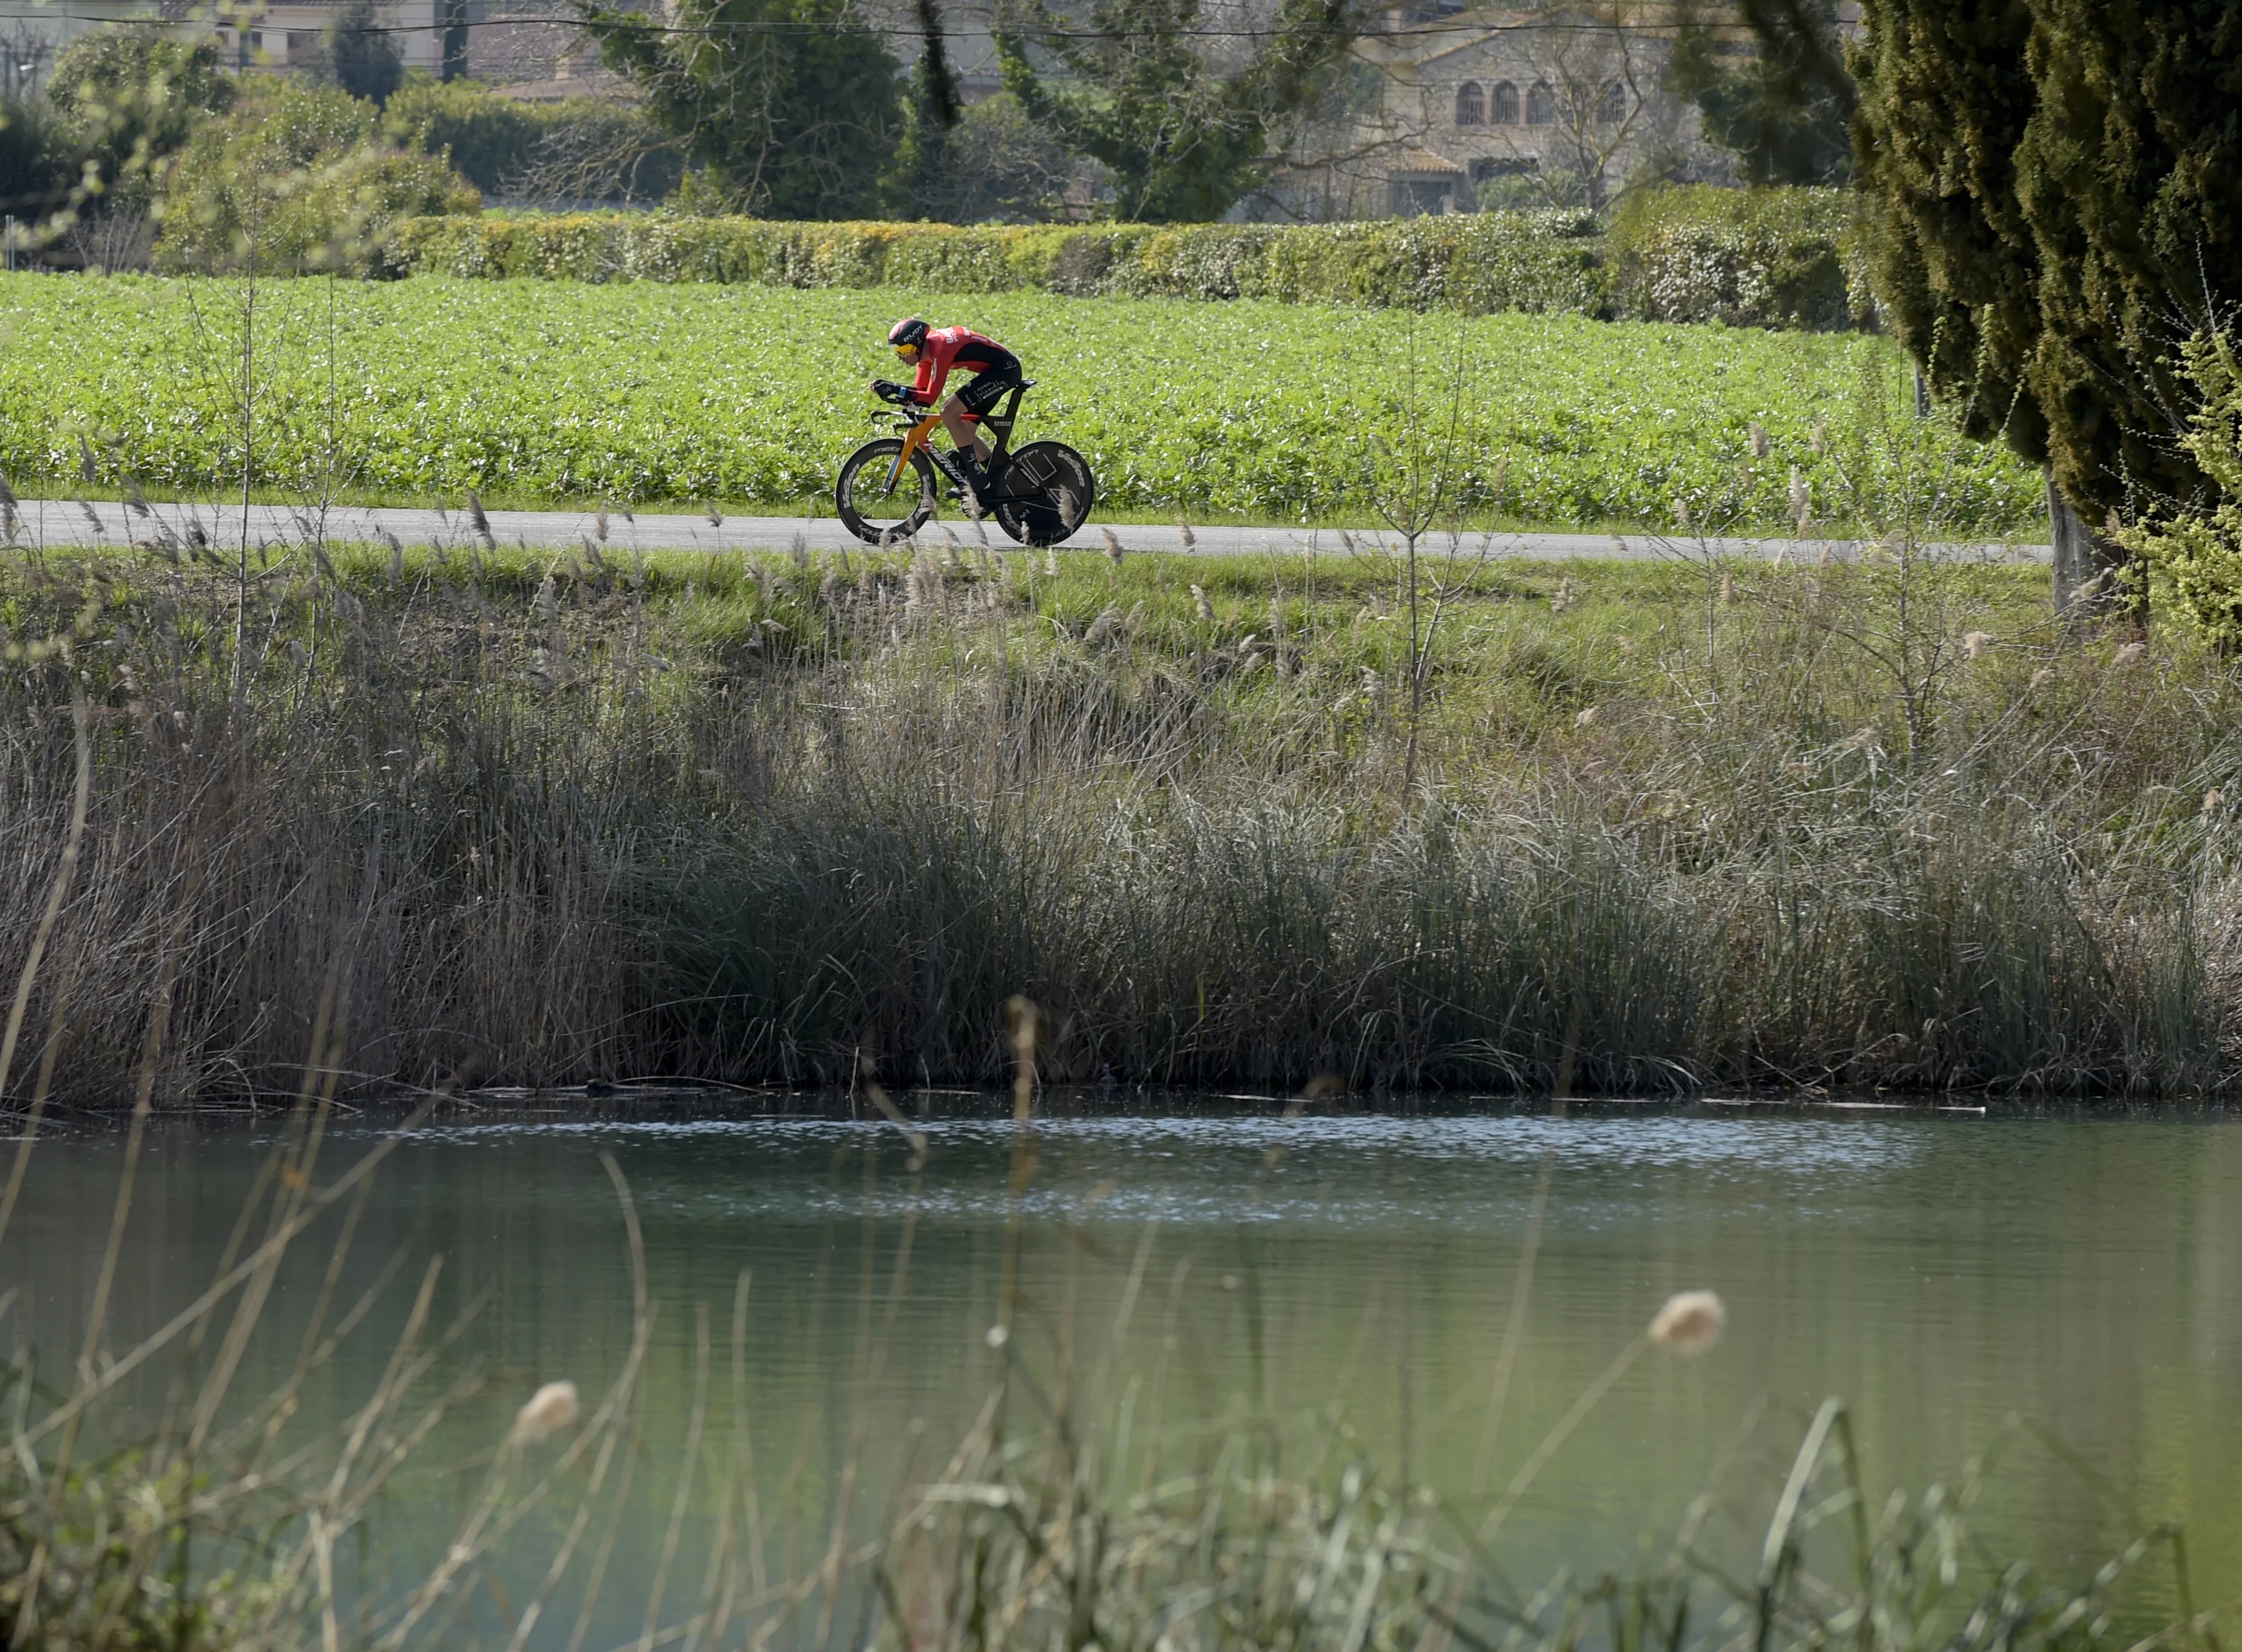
x=358, y=55
x=503, y=145
x=297, y=178
x=1769, y=258
x=2056, y=190
x=2192, y=558
x=1766, y=257
x=130, y=98
x=1538, y=263
x=1184, y=138
x=1783, y=112
x=113, y=1540
x=2130, y=175
x=791, y=106
x=994, y=165
x=485, y=137
x=37, y=170
x=1528, y=262
x=1247, y=408
x=1944, y=104
x=120, y=104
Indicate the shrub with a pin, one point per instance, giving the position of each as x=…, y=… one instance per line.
x=1765, y=258
x=1749, y=257
x=580, y=148
x=298, y=179
x=1544, y=263
x=2191, y=556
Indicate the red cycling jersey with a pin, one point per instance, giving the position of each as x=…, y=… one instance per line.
x=949, y=347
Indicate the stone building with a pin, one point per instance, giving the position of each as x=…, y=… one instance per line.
x=1561, y=104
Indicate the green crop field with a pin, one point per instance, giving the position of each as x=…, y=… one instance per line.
x=534, y=392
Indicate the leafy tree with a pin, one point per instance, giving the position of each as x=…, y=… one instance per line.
x=995, y=165
x=297, y=178
x=2056, y=187
x=1185, y=136
x=358, y=55
x=37, y=170
x=127, y=99
x=1945, y=99
x=791, y=106
x=1784, y=111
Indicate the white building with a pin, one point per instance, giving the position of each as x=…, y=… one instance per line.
x=270, y=34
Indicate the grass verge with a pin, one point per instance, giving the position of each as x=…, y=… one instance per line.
x=1595, y=826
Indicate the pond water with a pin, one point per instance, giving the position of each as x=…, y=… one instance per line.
x=2063, y=1288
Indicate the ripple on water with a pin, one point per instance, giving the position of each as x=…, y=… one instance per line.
x=1467, y=1173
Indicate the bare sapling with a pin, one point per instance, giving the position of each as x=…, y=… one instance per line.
x=1412, y=472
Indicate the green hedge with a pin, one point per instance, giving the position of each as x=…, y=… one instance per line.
x=1751, y=258
x=1780, y=258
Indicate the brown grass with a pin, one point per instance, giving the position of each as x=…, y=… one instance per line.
x=561, y=819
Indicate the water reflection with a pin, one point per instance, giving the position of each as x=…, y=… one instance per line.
x=1943, y=1272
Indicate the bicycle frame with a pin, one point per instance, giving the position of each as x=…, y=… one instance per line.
x=999, y=426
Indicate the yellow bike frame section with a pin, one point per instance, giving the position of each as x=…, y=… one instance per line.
x=916, y=437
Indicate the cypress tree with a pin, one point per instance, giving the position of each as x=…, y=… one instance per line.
x=2130, y=175
x=2056, y=189
x=1945, y=99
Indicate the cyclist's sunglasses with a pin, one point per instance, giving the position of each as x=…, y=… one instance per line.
x=908, y=352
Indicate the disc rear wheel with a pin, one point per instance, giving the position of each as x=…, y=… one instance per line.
x=873, y=510
x=1046, y=495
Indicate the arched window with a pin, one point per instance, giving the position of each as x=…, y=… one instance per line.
x=1502, y=109
x=1540, y=104
x=1611, y=108
x=1470, y=110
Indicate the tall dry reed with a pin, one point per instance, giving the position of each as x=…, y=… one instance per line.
x=575, y=819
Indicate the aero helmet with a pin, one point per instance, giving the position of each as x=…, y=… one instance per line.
x=909, y=334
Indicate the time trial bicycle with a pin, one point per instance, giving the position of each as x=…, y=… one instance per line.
x=891, y=487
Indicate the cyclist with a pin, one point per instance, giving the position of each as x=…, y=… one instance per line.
x=934, y=351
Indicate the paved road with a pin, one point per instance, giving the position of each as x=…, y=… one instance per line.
x=61, y=524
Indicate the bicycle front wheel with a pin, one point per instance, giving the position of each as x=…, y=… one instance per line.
x=874, y=509
x=1045, y=494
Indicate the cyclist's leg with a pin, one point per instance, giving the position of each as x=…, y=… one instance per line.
x=962, y=430
x=979, y=400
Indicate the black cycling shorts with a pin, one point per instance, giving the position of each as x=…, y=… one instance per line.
x=988, y=389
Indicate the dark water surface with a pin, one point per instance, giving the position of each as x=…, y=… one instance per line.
x=1963, y=1280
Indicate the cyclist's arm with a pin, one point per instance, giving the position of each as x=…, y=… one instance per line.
x=933, y=372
